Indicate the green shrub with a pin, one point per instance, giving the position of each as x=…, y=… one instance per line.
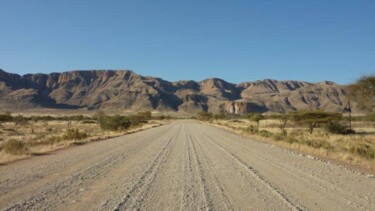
x=14, y=146
x=370, y=117
x=51, y=140
x=5, y=117
x=336, y=128
x=138, y=119
x=74, y=134
x=89, y=122
x=290, y=139
x=265, y=133
x=114, y=122
x=317, y=143
x=220, y=115
x=204, y=116
x=278, y=137
x=363, y=150
x=252, y=129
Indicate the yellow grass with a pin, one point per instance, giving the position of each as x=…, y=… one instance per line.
x=42, y=137
x=335, y=147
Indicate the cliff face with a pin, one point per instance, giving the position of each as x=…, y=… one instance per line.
x=243, y=108
x=126, y=90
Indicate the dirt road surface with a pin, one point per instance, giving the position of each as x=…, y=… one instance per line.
x=184, y=165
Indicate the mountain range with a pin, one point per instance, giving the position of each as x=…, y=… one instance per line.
x=126, y=90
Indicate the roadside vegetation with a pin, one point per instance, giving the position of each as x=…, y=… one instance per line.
x=338, y=136
x=22, y=136
x=313, y=132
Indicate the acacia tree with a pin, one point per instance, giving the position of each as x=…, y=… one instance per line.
x=313, y=119
x=363, y=92
x=283, y=120
x=255, y=118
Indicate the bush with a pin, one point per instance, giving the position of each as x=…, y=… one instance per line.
x=337, y=128
x=370, y=117
x=220, y=115
x=51, y=140
x=14, y=146
x=140, y=118
x=5, y=117
x=89, y=122
x=291, y=139
x=278, y=137
x=316, y=143
x=74, y=134
x=204, y=116
x=363, y=150
x=114, y=122
x=265, y=133
x=252, y=129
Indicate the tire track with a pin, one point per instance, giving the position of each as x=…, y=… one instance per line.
x=194, y=161
x=11, y=183
x=71, y=185
x=320, y=185
x=139, y=191
x=260, y=178
x=184, y=166
x=219, y=187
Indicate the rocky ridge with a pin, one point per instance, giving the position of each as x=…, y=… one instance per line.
x=126, y=90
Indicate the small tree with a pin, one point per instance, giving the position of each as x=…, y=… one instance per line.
x=363, y=92
x=283, y=120
x=312, y=119
x=256, y=117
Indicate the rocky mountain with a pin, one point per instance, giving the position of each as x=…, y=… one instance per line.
x=126, y=90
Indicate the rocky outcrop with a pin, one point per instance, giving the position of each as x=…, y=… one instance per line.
x=126, y=90
x=243, y=108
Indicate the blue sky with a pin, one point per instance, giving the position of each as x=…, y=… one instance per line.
x=238, y=41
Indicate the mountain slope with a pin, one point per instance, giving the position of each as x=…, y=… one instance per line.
x=126, y=90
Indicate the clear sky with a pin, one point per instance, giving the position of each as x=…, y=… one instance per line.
x=239, y=40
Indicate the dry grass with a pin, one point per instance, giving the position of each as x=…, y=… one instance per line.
x=355, y=149
x=22, y=140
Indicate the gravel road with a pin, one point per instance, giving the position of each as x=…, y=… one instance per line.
x=184, y=165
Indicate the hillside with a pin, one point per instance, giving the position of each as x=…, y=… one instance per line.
x=126, y=90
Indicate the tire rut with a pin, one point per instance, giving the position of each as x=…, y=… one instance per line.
x=218, y=185
x=78, y=181
x=12, y=183
x=198, y=177
x=139, y=191
x=260, y=178
x=320, y=185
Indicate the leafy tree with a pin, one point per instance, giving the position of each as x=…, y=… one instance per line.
x=363, y=92
x=255, y=117
x=7, y=116
x=313, y=119
x=283, y=120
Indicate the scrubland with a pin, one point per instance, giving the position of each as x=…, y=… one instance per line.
x=23, y=136
x=357, y=149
